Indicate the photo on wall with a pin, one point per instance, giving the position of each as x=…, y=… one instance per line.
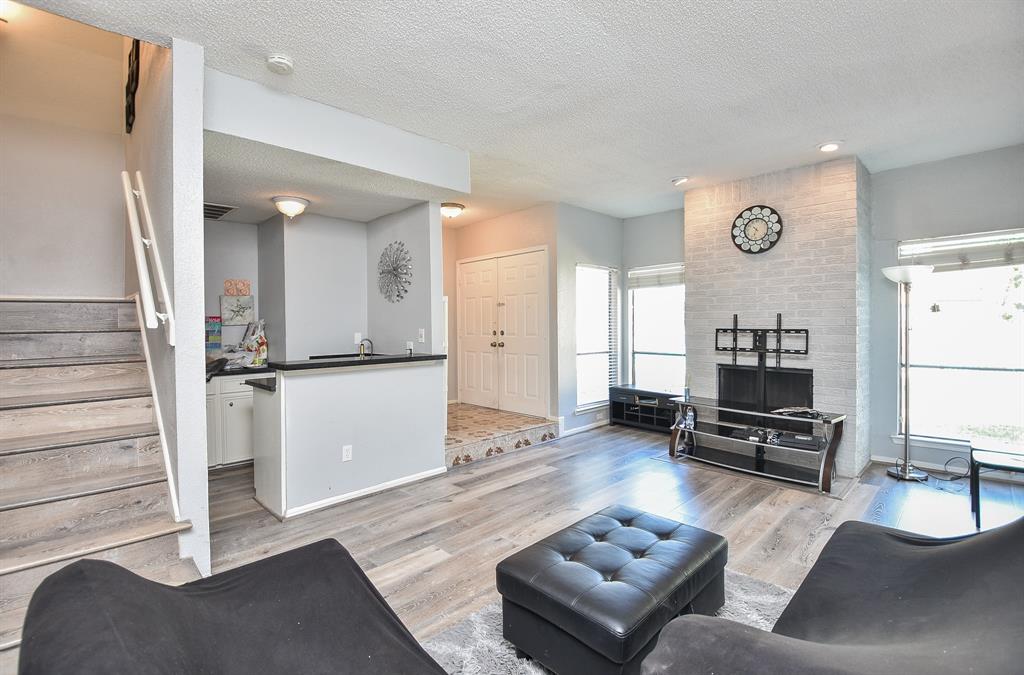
x=236, y=310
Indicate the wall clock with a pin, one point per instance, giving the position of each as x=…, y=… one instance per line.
x=394, y=271
x=756, y=229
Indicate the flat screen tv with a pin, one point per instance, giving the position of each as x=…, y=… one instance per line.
x=784, y=387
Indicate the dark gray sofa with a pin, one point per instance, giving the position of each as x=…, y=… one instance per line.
x=877, y=600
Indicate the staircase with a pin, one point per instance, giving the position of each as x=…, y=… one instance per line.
x=81, y=464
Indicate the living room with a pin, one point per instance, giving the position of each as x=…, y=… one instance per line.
x=577, y=338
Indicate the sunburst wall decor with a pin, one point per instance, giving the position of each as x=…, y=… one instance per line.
x=394, y=271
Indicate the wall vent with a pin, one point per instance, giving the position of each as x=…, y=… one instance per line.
x=216, y=211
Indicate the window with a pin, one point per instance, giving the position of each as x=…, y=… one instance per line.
x=658, y=341
x=967, y=338
x=597, y=335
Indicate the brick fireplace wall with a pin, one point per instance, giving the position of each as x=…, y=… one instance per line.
x=817, y=276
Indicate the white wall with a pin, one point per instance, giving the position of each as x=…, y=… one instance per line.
x=391, y=324
x=583, y=237
x=231, y=251
x=325, y=284
x=973, y=193
x=166, y=145
x=62, y=226
x=655, y=239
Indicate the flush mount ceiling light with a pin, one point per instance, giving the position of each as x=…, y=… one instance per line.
x=290, y=206
x=679, y=180
x=830, y=146
x=280, y=64
x=451, y=209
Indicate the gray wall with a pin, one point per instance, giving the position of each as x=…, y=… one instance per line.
x=62, y=225
x=391, y=325
x=656, y=239
x=270, y=269
x=583, y=237
x=231, y=251
x=973, y=193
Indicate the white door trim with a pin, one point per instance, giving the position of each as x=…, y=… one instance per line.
x=546, y=384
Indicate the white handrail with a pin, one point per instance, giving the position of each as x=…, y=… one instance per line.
x=163, y=293
x=171, y=483
x=138, y=248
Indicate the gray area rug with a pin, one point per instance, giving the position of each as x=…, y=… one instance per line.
x=475, y=646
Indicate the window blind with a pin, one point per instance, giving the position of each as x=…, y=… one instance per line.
x=613, y=327
x=655, y=275
x=985, y=249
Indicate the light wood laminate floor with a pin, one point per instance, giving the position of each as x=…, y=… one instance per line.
x=431, y=547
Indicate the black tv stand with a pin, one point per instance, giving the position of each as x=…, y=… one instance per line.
x=633, y=406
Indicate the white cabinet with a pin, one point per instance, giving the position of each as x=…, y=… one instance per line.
x=229, y=420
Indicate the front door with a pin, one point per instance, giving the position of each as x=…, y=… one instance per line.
x=477, y=331
x=522, y=345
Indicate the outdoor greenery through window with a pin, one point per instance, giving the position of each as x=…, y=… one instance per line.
x=967, y=354
x=597, y=335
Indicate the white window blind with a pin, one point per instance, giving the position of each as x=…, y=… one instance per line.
x=597, y=334
x=655, y=275
x=985, y=249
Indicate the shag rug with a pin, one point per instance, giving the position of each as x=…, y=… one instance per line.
x=475, y=646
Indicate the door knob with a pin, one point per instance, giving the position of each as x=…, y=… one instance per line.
x=494, y=332
x=502, y=332
x=501, y=344
x=494, y=344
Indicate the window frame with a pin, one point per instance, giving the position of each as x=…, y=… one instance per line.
x=614, y=343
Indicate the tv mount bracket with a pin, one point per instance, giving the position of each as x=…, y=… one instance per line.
x=764, y=341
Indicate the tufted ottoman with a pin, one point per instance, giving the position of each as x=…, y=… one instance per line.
x=593, y=597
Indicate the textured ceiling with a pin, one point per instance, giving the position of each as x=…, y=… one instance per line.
x=599, y=103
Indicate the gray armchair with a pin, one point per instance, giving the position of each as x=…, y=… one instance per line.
x=877, y=600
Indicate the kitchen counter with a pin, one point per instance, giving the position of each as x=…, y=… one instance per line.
x=349, y=361
x=244, y=371
x=264, y=383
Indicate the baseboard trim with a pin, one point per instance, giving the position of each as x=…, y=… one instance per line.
x=348, y=496
x=565, y=433
x=453, y=401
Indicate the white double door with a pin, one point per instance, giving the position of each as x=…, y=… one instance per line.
x=503, y=332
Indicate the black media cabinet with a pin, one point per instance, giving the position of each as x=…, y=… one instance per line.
x=632, y=406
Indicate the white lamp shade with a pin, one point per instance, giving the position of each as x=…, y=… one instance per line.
x=907, y=274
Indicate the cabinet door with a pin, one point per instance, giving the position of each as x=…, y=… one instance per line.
x=213, y=436
x=236, y=418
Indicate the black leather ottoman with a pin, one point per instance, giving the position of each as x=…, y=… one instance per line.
x=592, y=598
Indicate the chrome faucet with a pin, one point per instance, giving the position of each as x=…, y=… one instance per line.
x=362, y=348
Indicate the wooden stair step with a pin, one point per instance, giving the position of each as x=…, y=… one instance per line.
x=23, y=345
x=25, y=424
x=56, y=490
x=59, y=314
x=64, y=361
x=96, y=396
x=31, y=536
x=38, y=383
x=69, y=439
x=155, y=559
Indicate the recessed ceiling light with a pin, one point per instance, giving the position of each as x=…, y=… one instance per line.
x=280, y=64
x=679, y=180
x=831, y=146
x=290, y=206
x=451, y=209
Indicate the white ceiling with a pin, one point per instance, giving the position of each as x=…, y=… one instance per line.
x=243, y=173
x=599, y=103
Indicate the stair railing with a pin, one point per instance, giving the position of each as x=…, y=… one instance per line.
x=146, y=252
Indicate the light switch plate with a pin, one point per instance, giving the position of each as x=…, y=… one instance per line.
x=357, y=338
x=409, y=345
x=423, y=335
x=346, y=453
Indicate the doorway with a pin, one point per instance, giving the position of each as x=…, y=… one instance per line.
x=502, y=325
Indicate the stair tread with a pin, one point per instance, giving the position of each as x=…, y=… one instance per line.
x=14, y=402
x=71, y=361
x=80, y=486
x=49, y=331
x=66, y=439
x=27, y=555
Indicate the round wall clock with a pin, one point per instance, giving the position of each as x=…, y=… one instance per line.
x=394, y=271
x=756, y=229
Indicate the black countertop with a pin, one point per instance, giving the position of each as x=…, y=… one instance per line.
x=245, y=371
x=349, y=361
x=264, y=383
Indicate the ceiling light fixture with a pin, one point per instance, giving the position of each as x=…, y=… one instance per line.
x=290, y=206
x=451, y=209
x=280, y=64
x=831, y=146
x=679, y=180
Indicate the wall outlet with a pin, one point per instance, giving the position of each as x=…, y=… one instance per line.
x=409, y=346
x=346, y=453
x=423, y=335
x=357, y=338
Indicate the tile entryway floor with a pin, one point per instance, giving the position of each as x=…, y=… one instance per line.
x=475, y=432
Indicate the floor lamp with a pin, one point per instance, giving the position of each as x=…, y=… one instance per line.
x=905, y=275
